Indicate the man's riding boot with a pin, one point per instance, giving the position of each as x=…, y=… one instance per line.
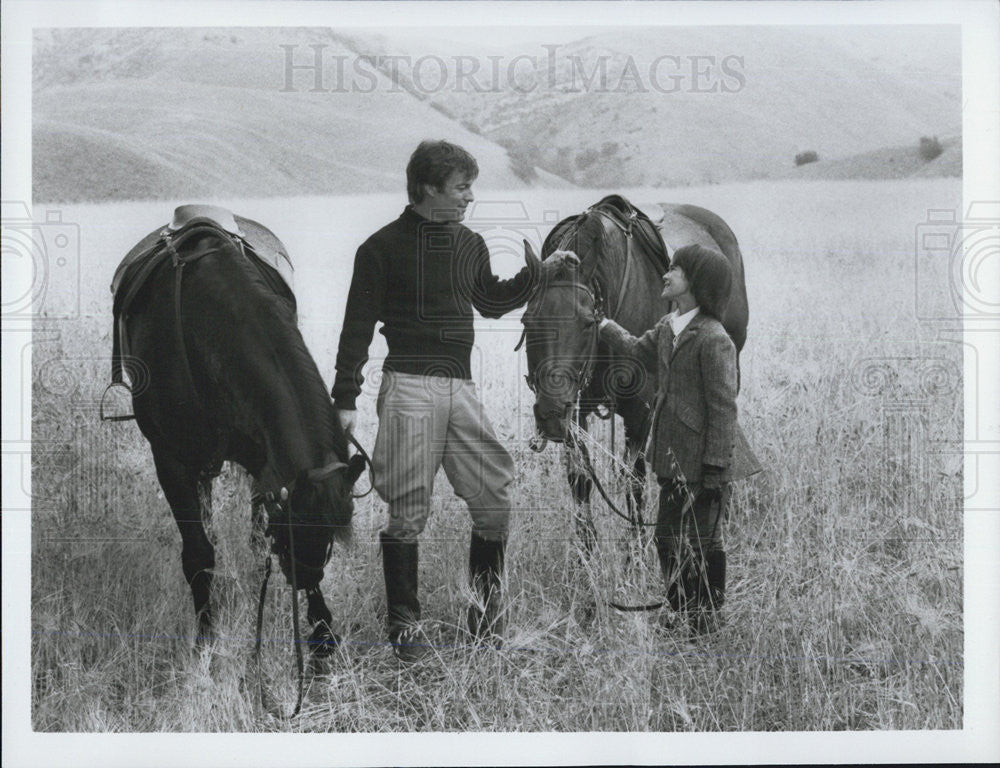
x=399, y=565
x=486, y=560
x=711, y=593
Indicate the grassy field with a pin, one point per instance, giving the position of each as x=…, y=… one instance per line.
x=845, y=598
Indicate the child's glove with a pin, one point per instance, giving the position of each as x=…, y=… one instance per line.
x=711, y=477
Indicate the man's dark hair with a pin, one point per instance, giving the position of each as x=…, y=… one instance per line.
x=433, y=162
x=709, y=276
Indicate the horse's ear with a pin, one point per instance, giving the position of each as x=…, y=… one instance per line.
x=530, y=258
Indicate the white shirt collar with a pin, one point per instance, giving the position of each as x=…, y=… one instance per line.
x=679, y=322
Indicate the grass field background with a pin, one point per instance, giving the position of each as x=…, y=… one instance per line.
x=845, y=592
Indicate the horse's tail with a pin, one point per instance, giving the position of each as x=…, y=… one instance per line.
x=716, y=227
x=720, y=232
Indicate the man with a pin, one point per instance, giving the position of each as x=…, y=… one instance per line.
x=421, y=276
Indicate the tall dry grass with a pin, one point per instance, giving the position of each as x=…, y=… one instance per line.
x=845, y=592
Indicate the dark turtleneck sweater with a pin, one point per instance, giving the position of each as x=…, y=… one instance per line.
x=421, y=279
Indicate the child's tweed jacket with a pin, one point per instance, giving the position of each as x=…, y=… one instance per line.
x=694, y=413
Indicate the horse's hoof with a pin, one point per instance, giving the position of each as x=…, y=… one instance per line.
x=204, y=638
x=323, y=641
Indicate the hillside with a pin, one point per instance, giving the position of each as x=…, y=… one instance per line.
x=885, y=163
x=133, y=114
x=743, y=110
x=151, y=113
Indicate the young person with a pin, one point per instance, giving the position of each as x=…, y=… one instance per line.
x=421, y=276
x=697, y=447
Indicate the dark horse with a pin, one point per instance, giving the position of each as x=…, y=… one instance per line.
x=622, y=259
x=203, y=313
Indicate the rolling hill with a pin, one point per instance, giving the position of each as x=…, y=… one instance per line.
x=731, y=103
x=133, y=114
x=885, y=163
x=151, y=113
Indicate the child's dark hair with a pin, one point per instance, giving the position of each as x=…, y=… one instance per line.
x=432, y=162
x=709, y=276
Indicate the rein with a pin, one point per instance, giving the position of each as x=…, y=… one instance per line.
x=367, y=459
x=627, y=232
x=299, y=664
x=588, y=465
x=583, y=377
x=283, y=505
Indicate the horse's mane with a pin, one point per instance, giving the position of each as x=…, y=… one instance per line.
x=608, y=270
x=563, y=236
x=557, y=238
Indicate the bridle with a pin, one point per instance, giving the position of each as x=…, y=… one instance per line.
x=582, y=376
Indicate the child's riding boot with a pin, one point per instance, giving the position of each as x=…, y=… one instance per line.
x=399, y=565
x=711, y=593
x=486, y=560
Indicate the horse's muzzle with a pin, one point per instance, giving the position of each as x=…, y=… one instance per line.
x=553, y=424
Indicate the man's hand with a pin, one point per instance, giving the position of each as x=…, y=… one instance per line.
x=568, y=257
x=347, y=419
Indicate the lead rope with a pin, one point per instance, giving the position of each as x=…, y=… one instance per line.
x=300, y=666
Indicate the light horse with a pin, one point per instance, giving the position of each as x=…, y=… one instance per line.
x=206, y=325
x=622, y=259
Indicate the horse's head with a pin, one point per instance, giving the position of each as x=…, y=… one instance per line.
x=308, y=516
x=560, y=331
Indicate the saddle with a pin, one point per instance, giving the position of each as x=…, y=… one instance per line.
x=211, y=224
x=643, y=222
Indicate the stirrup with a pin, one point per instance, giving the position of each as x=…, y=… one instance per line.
x=111, y=386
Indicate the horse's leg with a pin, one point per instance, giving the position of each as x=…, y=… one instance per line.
x=581, y=486
x=323, y=640
x=635, y=415
x=181, y=487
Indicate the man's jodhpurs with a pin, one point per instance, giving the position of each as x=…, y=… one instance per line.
x=426, y=422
